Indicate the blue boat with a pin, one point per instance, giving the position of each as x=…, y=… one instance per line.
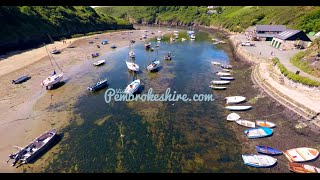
x=268, y=150
x=258, y=132
x=21, y=79
x=99, y=85
x=104, y=42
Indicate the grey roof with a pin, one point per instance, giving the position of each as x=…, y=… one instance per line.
x=286, y=34
x=265, y=35
x=270, y=28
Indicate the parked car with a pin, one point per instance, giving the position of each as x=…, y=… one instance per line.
x=247, y=43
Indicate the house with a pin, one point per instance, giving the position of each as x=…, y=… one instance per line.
x=212, y=12
x=267, y=32
x=290, y=39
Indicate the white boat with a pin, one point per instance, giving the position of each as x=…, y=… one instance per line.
x=215, y=43
x=220, y=82
x=235, y=99
x=100, y=62
x=226, y=66
x=132, y=87
x=52, y=80
x=215, y=63
x=258, y=160
x=303, y=168
x=218, y=87
x=158, y=38
x=265, y=123
x=238, y=108
x=132, y=66
x=233, y=117
x=183, y=39
x=192, y=36
x=153, y=65
x=131, y=54
x=246, y=123
x=301, y=154
x=226, y=78
x=226, y=70
x=222, y=42
x=223, y=74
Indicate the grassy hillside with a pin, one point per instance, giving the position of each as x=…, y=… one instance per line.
x=26, y=26
x=234, y=18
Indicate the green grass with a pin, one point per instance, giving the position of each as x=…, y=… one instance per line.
x=298, y=61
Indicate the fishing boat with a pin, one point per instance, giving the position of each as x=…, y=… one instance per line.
x=226, y=66
x=258, y=132
x=246, y=123
x=265, y=123
x=99, y=85
x=215, y=63
x=238, y=108
x=233, y=117
x=226, y=78
x=220, y=82
x=153, y=65
x=302, y=154
x=235, y=99
x=55, y=51
x=268, y=150
x=29, y=152
x=223, y=74
x=104, y=42
x=302, y=168
x=218, y=87
x=93, y=55
x=100, y=62
x=52, y=80
x=132, y=87
x=168, y=57
x=258, y=160
x=132, y=66
x=21, y=79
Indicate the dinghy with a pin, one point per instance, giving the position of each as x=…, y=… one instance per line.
x=227, y=78
x=303, y=168
x=113, y=46
x=21, y=79
x=233, y=117
x=153, y=65
x=258, y=160
x=52, y=80
x=215, y=43
x=100, y=62
x=55, y=51
x=215, y=63
x=99, y=85
x=158, y=38
x=302, y=154
x=131, y=54
x=258, y=132
x=147, y=45
x=238, y=108
x=223, y=74
x=226, y=70
x=132, y=87
x=93, y=55
x=193, y=37
x=218, y=87
x=168, y=57
x=226, y=66
x=246, y=123
x=235, y=99
x=265, y=123
x=132, y=66
x=268, y=150
x=220, y=82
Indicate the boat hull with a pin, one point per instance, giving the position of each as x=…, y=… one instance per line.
x=303, y=168
x=238, y=108
x=52, y=80
x=258, y=132
x=268, y=150
x=302, y=154
x=258, y=160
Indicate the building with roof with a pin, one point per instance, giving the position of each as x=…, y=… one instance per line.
x=290, y=39
x=267, y=32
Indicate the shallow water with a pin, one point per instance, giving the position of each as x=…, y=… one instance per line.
x=158, y=136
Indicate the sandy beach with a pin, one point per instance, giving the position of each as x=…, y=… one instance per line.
x=27, y=109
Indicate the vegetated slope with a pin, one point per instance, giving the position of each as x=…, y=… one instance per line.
x=233, y=18
x=28, y=26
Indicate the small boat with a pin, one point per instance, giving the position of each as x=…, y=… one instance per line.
x=238, y=108
x=220, y=82
x=183, y=39
x=303, y=168
x=226, y=66
x=258, y=132
x=21, y=79
x=104, y=42
x=225, y=70
x=268, y=150
x=132, y=87
x=26, y=154
x=132, y=66
x=132, y=41
x=100, y=62
x=218, y=87
x=55, y=51
x=192, y=36
x=223, y=74
x=101, y=84
x=265, y=123
x=158, y=38
x=302, y=154
x=113, y=46
x=147, y=45
x=233, y=117
x=131, y=54
x=177, y=37
x=93, y=55
x=222, y=42
x=215, y=43
x=157, y=45
x=153, y=65
x=52, y=80
x=226, y=78
x=168, y=57
x=215, y=63
x=235, y=99
x=246, y=123
x=258, y=160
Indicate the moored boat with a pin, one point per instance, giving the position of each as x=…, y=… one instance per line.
x=100, y=62
x=303, y=168
x=238, y=108
x=132, y=66
x=215, y=63
x=153, y=65
x=55, y=51
x=258, y=160
x=52, y=80
x=258, y=132
x=132, y=87
x=246, y=123
x=268, y=150
x=233, y=117
x=235, y=99
x=223, y=74
x=220, y=82
x=265, y=123
x=218, y=87
x=21, y=79
x=226, y=78
x=302, y=154
x=99, y=85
